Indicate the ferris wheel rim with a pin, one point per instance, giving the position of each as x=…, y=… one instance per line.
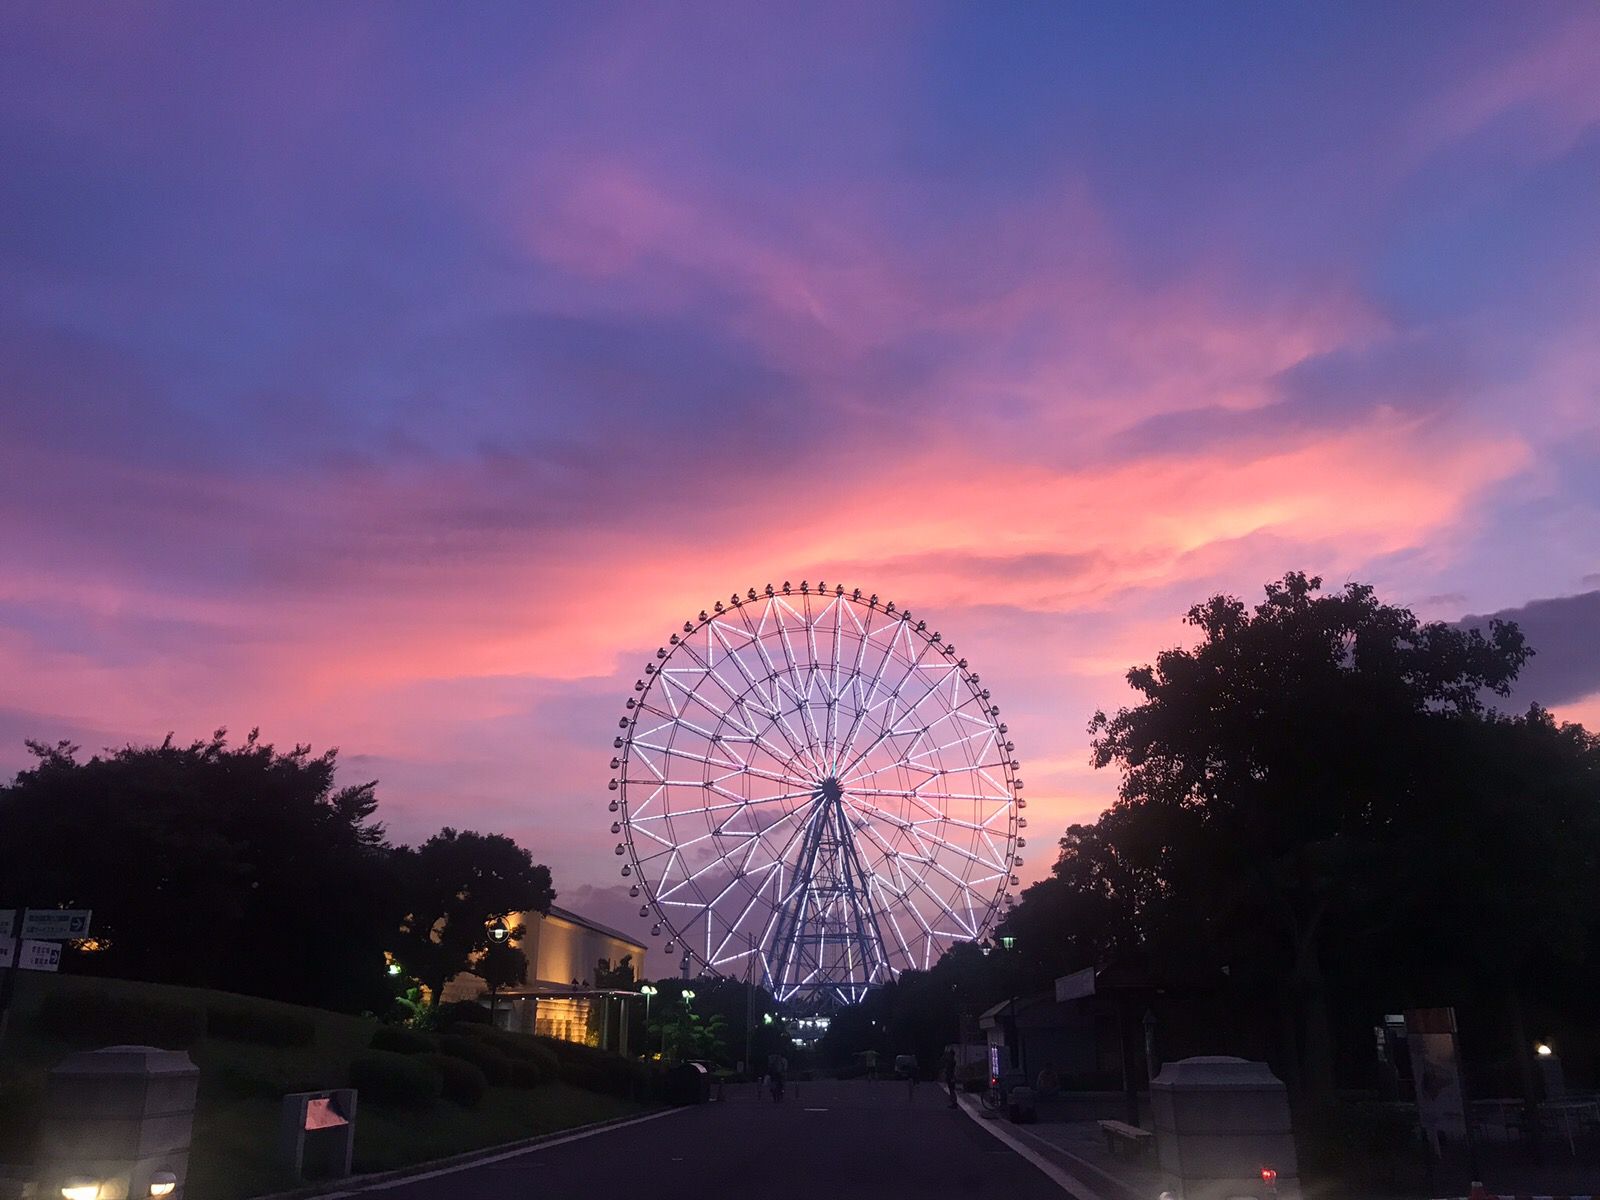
x=792, y=737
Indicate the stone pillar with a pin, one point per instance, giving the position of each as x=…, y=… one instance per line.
x=1220, y=1123
x=116, y=1117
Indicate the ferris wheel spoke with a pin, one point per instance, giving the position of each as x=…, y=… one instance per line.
x=861, y=696
x=801, y=677
x=774, y=716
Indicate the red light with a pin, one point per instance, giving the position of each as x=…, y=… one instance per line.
x=1268, y=1176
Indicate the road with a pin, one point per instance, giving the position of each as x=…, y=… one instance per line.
x=825, y=1141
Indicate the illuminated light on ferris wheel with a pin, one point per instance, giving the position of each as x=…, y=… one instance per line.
x=813, y=789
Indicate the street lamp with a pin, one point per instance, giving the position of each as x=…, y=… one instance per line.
x=647, y=990
x=687, y=995
x=163, y=1183
x=498, y=933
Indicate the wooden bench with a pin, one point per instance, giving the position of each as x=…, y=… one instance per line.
x=1122, y=1138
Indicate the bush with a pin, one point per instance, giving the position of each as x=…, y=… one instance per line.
x=460, y=1013
x=110, y=1020
x=21, y=1107
x=495, y=1066
x=463, y=1081
x=403, y=1080
x=401, y=1040
x=525, y=1073
x=263, y=1026
x=518, y=1047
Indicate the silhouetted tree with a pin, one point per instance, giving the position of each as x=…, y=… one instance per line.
x=236, y=867
x=1266, y=770
x=499, y=966
x=619, y=976
x=453, y=886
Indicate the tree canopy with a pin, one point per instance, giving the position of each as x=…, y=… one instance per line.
x=236, y=867
x=246, y=868
x=453, y=885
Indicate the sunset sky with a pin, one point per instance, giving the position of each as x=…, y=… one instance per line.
x=398, y=377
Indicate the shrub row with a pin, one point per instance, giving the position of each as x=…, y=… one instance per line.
x=170, y=1024
x=520, y=1060
x=463, y=1081
x=400, y=1080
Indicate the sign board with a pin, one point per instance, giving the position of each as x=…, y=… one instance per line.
x=56, y=924
x=1436, y=1072
x=33, y=956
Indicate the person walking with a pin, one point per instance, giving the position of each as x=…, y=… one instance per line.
x=948, y=1066
x=777, y=1070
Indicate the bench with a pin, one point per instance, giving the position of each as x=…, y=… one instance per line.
x=1122, y=1138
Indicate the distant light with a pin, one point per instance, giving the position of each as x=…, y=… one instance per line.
x=80, y=1188
x=1543, y=1050
x=163, y=1183
x=687, y=994
x=766, y=1018
x=1268, y=1176
x=498, y=932
x=648, y=990
x=394, y=968
x=1009, y=942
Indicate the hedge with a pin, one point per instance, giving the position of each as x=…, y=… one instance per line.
x=263, y=1026
x=460, y=1013
x=516, y=1046
x=495, y=1066
x=525, y=1073
x=110, y=1020
x=401, y=1040
x=403, y=1080
x=464, y=1082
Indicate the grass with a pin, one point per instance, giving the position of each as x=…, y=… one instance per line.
x=242, y=1085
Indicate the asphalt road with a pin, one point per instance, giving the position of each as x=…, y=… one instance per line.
x=825, y=1141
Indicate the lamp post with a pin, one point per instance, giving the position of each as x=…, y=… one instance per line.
x=1008, y=944
x=684, y=1021
x=647, y=990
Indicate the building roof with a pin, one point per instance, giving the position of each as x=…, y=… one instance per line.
x=566, y=914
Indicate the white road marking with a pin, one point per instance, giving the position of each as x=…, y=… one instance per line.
x=1062, y=1179
x=494, y=1158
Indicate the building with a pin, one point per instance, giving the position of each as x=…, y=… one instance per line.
x=560, y=998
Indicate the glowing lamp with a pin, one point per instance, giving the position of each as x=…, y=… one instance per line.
x=1269, y=1176
x=498, y=932
x=1543, y=1050
x=79, y=1188
x=163, y=1183
x=394, y=968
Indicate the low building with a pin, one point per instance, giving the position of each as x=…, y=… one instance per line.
x=561, y=998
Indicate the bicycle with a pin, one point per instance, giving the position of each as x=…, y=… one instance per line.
x=993, y=1097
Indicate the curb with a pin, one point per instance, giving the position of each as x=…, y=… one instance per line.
x=1072, y=1184
x=468, y=1158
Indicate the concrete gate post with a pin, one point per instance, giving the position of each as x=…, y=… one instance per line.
x=117, y=1124
x=1223, y=1131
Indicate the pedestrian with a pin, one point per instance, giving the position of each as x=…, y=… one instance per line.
x=948, y=1066
x=777, y=1069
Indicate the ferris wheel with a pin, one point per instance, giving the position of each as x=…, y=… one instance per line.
x=812, y=790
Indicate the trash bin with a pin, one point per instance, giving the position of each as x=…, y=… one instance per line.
x=688, y=1083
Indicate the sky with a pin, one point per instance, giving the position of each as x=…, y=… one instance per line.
x=397, y=377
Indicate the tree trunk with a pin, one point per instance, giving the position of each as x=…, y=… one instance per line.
x=1311, y=993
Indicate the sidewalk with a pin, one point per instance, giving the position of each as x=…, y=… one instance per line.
x=1078, y=1148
